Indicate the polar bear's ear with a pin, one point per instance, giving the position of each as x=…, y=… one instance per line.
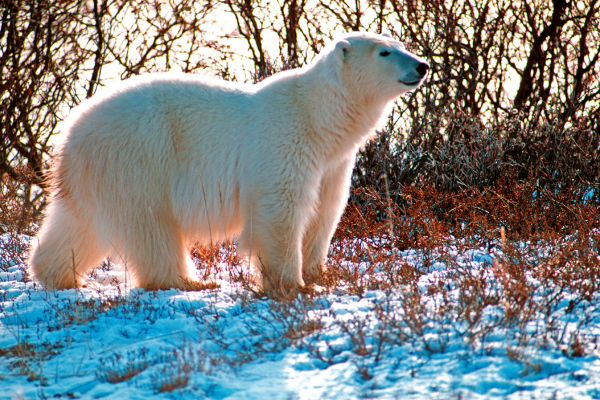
x=333, y=61
x=341, y=49
x=386, y=34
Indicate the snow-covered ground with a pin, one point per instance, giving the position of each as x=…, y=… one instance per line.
x=108, y=341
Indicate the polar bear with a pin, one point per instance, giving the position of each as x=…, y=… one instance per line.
x=166, y=160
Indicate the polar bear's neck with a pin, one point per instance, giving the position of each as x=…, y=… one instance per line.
x=343, y=119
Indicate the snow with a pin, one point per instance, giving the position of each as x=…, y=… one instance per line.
x=109, y=341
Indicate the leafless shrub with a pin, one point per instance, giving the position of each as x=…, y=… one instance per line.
x=52, y=56
x=462, y=152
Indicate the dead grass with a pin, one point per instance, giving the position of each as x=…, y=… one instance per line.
x=544, y=249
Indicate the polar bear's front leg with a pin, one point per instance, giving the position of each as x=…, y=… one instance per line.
x=333, y=196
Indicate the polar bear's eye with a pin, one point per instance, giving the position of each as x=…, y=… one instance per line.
x=384, y=53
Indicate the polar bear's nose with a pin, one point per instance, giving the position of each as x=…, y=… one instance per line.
x=423, y=68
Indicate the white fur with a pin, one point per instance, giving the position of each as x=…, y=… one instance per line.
x=168, y=159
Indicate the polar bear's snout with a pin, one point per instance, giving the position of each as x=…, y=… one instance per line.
x=412, y=68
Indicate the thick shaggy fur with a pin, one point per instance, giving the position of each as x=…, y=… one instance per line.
x=165, y=160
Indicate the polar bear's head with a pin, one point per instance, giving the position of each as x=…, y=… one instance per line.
x=378, y=66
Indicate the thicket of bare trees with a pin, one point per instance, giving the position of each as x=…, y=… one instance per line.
x=513, y=83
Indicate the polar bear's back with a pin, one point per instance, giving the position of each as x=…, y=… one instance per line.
x=164, y=100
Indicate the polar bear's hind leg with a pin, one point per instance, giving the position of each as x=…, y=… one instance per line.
x=66, y=249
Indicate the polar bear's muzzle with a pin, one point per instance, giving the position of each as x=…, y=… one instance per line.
x=416, y=77
x=422, y=71
x=415, y=69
